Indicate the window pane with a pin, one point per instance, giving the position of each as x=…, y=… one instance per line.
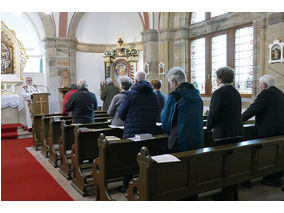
x=197, y=17
x=219, y=56
x=197, y=61
x=213, y=14
x=244, y=60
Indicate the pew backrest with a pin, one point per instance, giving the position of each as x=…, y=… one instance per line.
x=206, y=169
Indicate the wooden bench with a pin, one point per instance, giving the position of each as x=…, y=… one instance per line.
x=83, y=152
x=118, y=158
x=55, y=134
x=67, y=140
x=208, y=140
x=37, y=129
x=44, y=133
x=53, y=137
x=206, y=169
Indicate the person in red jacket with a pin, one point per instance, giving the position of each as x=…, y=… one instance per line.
x=73, y=89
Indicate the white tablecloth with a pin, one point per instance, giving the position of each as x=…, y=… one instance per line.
x=12, y=101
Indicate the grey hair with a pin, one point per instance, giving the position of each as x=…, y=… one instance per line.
x=225, y=74
x=108, y=81
x=178, y=74
x=82, y=84
x=125, y=82
x=269, y=80
x=140, y=76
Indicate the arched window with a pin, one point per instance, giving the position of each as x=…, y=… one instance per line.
x=232, y=47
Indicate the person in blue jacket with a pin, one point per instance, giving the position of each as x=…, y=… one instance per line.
x=182, y=116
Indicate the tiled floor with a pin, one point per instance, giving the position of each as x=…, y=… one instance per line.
x=257, y=192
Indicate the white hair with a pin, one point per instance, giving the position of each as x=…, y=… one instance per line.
x=140, y=76
x=269, y=80
x=108, y=81
x=178, y=74
x=82, y=84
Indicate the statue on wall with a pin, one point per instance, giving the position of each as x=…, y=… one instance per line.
x=64, y=79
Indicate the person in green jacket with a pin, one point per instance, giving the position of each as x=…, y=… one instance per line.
x=108, y=92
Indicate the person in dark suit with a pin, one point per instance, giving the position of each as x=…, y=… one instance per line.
x=268, y=109
x=82, y=104
x=225, y=110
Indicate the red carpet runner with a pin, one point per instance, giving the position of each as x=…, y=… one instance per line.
x=22, y=176
x=10, y=130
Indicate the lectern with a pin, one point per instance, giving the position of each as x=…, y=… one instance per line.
x=40, y=103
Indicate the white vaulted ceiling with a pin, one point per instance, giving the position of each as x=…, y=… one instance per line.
x=106, y=27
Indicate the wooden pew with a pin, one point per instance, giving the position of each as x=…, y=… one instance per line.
x=45, y=132
x=37, y=129
x=206, y=169
x=118, y=158
x=55, y=134
x=67, y=140
x=53, y=137
x=208, y=140
x=83, y=152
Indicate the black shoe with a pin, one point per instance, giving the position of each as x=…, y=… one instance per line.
x=30, y=130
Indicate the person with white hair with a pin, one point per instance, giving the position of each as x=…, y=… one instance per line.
x=182, y=116
x=139, y=110
x=108, y=92
x=268, y=109
x=125, y=84
x=28, y=89
x=82, y=104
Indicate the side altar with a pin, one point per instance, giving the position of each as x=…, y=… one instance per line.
x=120, y=61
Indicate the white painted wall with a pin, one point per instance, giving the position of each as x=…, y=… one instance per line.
x=90, y=66
x=106, y=27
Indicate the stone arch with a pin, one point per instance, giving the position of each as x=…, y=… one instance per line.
x=48, y=24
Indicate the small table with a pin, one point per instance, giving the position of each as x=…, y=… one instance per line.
x=10, y=106
x=14, y=101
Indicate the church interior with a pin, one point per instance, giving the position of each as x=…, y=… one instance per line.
x=56, y=49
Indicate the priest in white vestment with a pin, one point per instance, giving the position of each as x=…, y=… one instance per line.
x=28, y=89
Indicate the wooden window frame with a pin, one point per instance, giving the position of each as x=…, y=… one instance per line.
x=230, y=32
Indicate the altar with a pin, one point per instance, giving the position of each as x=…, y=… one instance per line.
x=11, y=105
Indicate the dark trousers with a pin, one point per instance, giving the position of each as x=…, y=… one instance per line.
x=126, y=180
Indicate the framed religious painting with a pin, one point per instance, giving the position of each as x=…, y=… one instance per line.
x=13, y=56
x=276, y=52
x=161, y=68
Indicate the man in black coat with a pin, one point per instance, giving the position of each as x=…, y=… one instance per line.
x=139, y=110
x=82, y=104
x=225, y=116
x=268, y=109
